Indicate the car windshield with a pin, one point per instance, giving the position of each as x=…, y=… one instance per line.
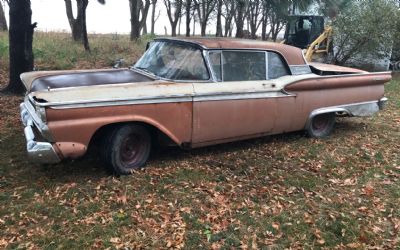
x=175, y=61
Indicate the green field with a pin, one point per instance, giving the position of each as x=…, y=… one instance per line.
x=285, y=191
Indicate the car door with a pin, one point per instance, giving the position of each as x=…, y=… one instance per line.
x=244, y=101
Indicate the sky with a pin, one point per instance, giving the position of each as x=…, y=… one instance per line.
x=113, y=17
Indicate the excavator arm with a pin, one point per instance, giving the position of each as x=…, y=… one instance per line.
x=321, y=45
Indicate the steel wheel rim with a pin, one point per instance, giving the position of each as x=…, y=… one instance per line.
x=320, y=123
x=132, y=149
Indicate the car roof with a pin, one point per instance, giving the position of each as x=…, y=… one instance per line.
x=293, y=55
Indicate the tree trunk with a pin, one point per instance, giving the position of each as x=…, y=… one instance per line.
x=20, y=40
x=194, y=23
x=135, y=23
x=228, y=25
x=173, y=29
x=74, y=23
x=82, y=11
x=3, y=22
x=253, y=32
x=173, y=16
x=138, y=17
x=204, y=10
x=144, y=29
x=153, y=15
x=264, y=28
x=78, y=24
x=203, y=28
x=219, y=21
x=240, y=19
x=276, y=27
x=144, y=10
x=188, y=7
x=179, y=26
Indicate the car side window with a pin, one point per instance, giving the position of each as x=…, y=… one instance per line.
x=276, y=66
x=243, y=66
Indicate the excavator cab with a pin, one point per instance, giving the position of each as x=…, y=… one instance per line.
x=301, y=31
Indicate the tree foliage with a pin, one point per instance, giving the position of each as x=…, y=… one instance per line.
x=365, y=29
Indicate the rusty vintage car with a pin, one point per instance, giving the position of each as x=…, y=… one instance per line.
x=194, y=93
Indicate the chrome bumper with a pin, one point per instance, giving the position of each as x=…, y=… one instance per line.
x=382, y=103
x=40, y=152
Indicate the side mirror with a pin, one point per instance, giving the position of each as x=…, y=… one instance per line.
x=118, y=63
x=148, y=45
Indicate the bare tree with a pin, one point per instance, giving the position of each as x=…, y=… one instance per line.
x=264, y=20
x=188, y=13
x=241, y=10
x=230, y=10
x=174, y=11
x=20, y=40
x=204, y=9
x=154, y=18
x=3, y=22
x=253, y=13
x=139, y=11
x=219, y=17
x=78, y=24
x=277, y=24
x=194, y=21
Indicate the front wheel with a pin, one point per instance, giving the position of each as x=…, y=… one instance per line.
x=127, y=148
x=321, y=125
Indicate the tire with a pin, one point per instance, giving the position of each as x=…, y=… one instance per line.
x=321, y=125
x=397, y=66
x=126, y=148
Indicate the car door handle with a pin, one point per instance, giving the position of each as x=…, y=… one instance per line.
x=269, y=85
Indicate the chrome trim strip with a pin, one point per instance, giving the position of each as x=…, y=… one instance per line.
x=39, y=152
x=209, y=66
x=266, y=65
x=362, y=109
x=234, y=96
x=300, y=69
x=168, y=39
x=29, y=117
x=207, y=56
x=173, y=99
x=100, y=103
x=145, y=99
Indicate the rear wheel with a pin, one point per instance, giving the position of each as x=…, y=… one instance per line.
x=127, y=148
x=321, y=125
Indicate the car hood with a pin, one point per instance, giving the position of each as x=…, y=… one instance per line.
x=45, y=80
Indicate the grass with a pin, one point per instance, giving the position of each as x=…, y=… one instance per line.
x=284, y=191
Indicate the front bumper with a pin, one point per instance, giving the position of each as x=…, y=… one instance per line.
x=382, y=103
x=39, y=152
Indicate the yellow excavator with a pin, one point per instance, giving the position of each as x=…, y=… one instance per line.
x=310, y=33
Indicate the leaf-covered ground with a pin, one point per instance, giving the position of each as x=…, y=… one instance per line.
x=284, y=191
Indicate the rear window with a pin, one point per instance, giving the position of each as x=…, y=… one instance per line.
x=276, y=66
x=243, y=66
x=247, y=65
